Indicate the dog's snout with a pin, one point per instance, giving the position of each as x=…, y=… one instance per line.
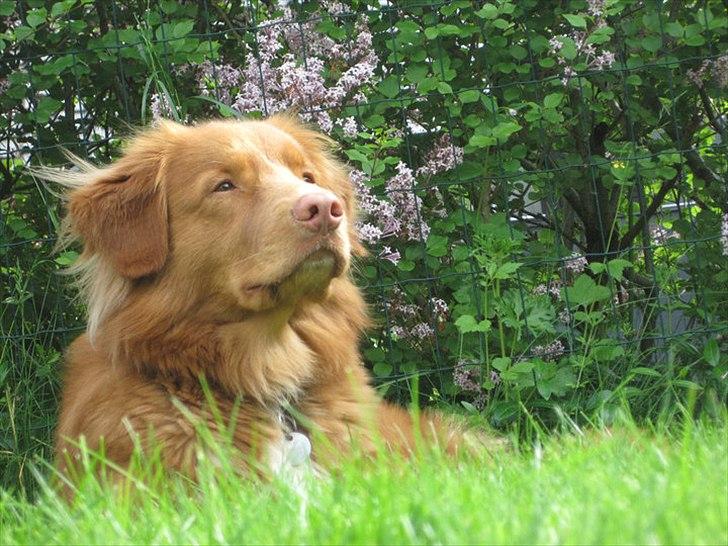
x=319, y=212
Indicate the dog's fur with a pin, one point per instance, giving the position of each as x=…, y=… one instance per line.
x=184, y=283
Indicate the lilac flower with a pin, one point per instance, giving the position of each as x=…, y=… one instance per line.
x=369, y=233
x=218, y=80
x=575, y=263
x=422, y=330
x=565, y=317
x=540, y=290
x=568, y=74
x=549, y=352
x=160, y=107
x=595, y=7
x=443, y=156
x=605, y=60
x=660, y=235
x=555, y=44
x=720, y=71
x=724, y=234
x=295, y=67
x=401, y=192
x=440, y=308
x=350, y=126
x=466, y=377
x=495, y=377
x=390, y=255
x=480, y=400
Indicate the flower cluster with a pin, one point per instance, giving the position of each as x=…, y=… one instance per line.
x=552, y=351
x=412, y=321
x=444, y=156
x=553, y=288
x=660, y=235
x=160, y=107
x=717, y=68
x=576, y=263
x=594, y=60
x=466, y=377
x=295, y=67
x=724, y=234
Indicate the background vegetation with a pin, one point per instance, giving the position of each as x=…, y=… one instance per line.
x=544, y=191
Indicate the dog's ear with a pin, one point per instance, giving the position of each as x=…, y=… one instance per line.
x=121, y=213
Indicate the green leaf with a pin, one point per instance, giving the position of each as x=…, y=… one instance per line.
x=389, y=87
x=416, y=72
x=501, y=24
x=437, y=245
x=575, y=20
x=432, y=32
x=552, y=100
x=641, y=370
x=501, y=363
x=449, y=30
x=444, y=88
x=67, y=258
x=47, y=106
x=36, y=17
x=518, y=52
x=183, y=28
x=488, y=11
x=585, y=292
x=607, y=350
x=695, y=41
x=382, y=369
x=505, y=129
x=61, y=8
x=504, y=271
x=711, y=352
x=652, y=43
x=7, y=8
x=471, y=95
x=467, y=324
x=482, y=141
x=674, y=29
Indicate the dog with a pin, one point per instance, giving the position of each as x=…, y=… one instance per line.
x=216, y=274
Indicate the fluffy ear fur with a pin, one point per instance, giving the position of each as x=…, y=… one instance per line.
x=121, y=213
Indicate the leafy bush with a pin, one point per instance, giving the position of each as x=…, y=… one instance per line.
x=543, y=189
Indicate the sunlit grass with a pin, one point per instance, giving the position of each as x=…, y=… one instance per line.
x=608, y=486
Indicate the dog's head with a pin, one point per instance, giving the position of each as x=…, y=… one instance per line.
x=229, y=215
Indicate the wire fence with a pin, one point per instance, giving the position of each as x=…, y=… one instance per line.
x=543, y=189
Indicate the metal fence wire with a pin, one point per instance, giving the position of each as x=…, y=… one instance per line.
x=543, y=184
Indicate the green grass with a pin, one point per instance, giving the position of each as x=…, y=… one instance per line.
x=618, y=486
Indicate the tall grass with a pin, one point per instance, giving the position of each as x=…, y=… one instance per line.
x=614, y=486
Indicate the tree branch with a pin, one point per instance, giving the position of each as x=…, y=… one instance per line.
x=650, y=211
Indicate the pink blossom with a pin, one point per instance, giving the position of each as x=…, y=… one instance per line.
x=400, y=189
x=390, y=255
x=443, y=156
x=549, y=352
x=576, y=263
x=467, y=377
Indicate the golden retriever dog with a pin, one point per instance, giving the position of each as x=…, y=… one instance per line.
x=219, y=254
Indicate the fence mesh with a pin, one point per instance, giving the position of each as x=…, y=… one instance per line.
x=518, y=161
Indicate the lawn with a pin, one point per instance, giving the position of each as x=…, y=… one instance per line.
x=620, y=485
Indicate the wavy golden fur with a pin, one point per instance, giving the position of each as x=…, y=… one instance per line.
x=193, y=267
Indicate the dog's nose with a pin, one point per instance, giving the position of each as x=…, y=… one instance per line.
x=319, y=212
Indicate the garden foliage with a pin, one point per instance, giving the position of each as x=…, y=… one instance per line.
x=544, y=192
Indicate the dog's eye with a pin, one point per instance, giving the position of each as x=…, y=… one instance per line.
x=308, y=177
x=225, y=185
